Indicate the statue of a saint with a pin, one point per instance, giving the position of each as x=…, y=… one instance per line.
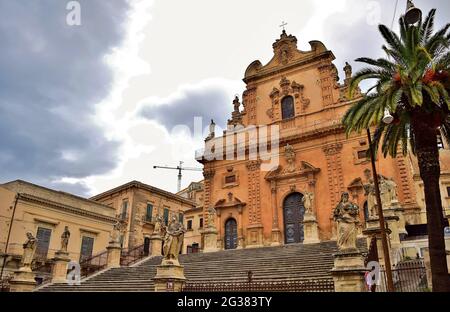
x=307, y=201
x=348, y=70
x=211, y=217
x=385, y=193
x=117, y=231
x=65, y=239
x=369, y=190
x=157, y=230
x=236, y=104
x=29, y=249
x=289, y=154
x=173, y=240
x=346, y=214
x=392, y=187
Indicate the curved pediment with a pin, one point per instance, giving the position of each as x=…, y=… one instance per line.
x=286, y=53
x=305, y=169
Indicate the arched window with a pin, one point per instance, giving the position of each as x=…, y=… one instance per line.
x=287, y=107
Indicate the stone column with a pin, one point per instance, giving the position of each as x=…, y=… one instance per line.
x=276, y=234
x=392, y=222
x=156, y=244
x=220, y=238
x=114, y=250
x=59, y=270
x=23, y=280
x=169, y=276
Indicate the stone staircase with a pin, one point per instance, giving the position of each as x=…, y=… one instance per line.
x=289, y=262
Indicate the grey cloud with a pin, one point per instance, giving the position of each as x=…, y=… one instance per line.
x=51, y=76
x=209, y=102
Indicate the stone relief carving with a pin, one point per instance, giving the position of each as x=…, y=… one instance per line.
x=289, y=155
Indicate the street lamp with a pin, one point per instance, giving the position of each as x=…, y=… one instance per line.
x=412, y=14
x=384, y=242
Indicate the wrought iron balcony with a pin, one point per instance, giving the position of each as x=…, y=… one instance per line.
x=148, y=219
x=122, y=216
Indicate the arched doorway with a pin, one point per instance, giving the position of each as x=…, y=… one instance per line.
x=293, y=212
x=231, y=234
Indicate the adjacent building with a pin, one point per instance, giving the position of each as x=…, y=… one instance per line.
x=26, y=207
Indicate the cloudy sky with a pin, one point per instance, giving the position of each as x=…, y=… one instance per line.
x=87, y=107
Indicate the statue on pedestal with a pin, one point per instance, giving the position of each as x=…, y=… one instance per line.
x=65, y=239
x=346, y=214
x=173, y=239
x=157, y=230
x=211, y=217
x=307, y=201
x=29, y=249
x=369, y=191
x=117, y=231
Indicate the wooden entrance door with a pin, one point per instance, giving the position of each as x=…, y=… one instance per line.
x=293, y=212
x=231, y=234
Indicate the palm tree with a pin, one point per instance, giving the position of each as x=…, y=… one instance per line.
x=413, y=84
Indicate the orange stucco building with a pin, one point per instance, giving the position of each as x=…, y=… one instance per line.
x=259, y=202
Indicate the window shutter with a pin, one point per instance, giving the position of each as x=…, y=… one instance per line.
x=43, y=237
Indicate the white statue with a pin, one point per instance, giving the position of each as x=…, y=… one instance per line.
x=158, y=229
x=308, y=200
x=117, y=231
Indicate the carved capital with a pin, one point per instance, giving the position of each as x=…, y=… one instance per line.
x=332, y=149
x=253, y=165
x=208, y=173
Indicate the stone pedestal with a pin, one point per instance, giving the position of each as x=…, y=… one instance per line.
x=348, y=271
x=399, y=212
x=210, y=239
x=114, y=250
x=311, y=229
x=373, y=229
x=276, y=237
x=169, y=277
x=59, y=269
x=254, y=236
x=23, y=280
x=156, y=245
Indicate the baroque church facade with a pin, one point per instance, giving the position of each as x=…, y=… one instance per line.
x=300, y=93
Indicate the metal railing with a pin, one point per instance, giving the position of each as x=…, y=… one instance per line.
x=148, y=219
x=123, y=216
x=319, y=285
x=408, y=276
x=133, y=255
x=93, y=264
x=43, y=272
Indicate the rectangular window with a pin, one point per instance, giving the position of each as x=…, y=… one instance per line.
x=180, y=218
x=189, y=224
x=148, y=216
x=201, y=222
x=230, y=179
x=124, y=213
x=87, y=245
x=448, y=191
x=362, y=154
x=43, y=237
x=166, y=216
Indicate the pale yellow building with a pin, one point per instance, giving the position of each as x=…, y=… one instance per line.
x=193, y=221
x=45, y=213
x=138, y=204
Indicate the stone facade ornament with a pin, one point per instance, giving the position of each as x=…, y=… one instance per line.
x=173, y=240
x=65, y=236
x=348, y=71
x=369, y=192
x=29, y=249
x=289, y=155
x=346, y=214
